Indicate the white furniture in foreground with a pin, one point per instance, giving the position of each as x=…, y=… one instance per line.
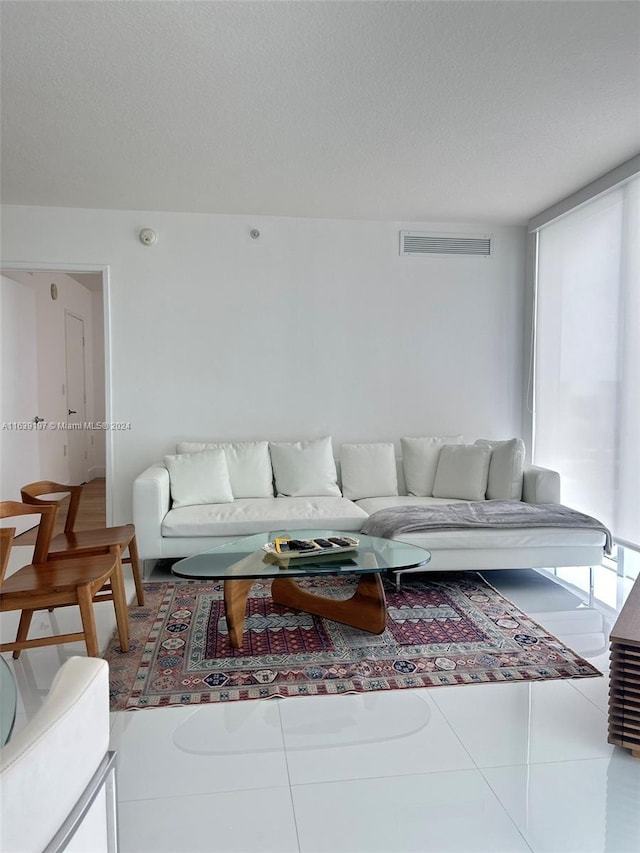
x=195, y=500
x=57, y=777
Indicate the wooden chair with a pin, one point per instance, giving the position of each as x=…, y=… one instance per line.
x=45, y=584
x=105, y=540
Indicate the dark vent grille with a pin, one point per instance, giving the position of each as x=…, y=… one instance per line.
x=416, y=243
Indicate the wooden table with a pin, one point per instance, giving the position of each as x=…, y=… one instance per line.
x=624, y=675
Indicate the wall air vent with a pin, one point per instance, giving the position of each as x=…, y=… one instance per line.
x=435, y=243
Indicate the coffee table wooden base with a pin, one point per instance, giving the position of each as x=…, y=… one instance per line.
x=235, y=604
x=366, y=609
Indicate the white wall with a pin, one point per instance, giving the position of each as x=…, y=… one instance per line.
x=210, y=330
x=98, y=449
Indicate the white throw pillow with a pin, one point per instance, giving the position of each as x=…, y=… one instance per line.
x=463, y=471
x=368, y=470
x=304, y=468
x=249, y=465
x=199, y=478
x=420, y=461
x=505, y=469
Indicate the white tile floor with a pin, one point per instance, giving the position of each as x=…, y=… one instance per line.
x=505, y=767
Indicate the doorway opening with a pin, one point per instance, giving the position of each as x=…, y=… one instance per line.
x=54, y=398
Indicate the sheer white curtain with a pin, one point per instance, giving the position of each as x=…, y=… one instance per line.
x=587, y=357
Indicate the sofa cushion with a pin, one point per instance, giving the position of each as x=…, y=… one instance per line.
x=462, y=472
x=505, y=469
x=368, y=470
x=247, y=516
x=249, y=465
x=420, y=461
x=199, y=478
x=371, y=505
x=304, y=468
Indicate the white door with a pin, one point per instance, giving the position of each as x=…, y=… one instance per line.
x=76, y=398
x=19, y=454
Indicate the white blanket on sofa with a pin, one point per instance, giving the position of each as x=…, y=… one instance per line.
x=464, y=515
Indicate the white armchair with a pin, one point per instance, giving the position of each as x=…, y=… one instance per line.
x=57, y=777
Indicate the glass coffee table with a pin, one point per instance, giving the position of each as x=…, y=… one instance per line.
x=241, y=562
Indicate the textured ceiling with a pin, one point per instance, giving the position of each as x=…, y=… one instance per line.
x=376, y=110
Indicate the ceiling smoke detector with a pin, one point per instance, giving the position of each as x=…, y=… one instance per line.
x=148, y=236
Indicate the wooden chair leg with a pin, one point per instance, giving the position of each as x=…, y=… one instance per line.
x=136, y=570
x=23, y=629
x=120, y=606
x=85, y=602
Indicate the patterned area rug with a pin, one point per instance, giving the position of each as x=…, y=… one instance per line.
x=453, y=629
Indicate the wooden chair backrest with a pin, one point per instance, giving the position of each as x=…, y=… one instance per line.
x=31, y=495
x=47, y=513
x=6, y=540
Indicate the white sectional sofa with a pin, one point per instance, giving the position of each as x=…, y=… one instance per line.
x=210, y=493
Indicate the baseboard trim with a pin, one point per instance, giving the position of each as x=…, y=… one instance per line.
x=96, y=472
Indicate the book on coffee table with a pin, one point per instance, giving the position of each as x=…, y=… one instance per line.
x=290, y=549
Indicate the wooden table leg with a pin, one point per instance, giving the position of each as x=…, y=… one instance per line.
x=136, y=570
x=235, y=604
x=366, y=609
